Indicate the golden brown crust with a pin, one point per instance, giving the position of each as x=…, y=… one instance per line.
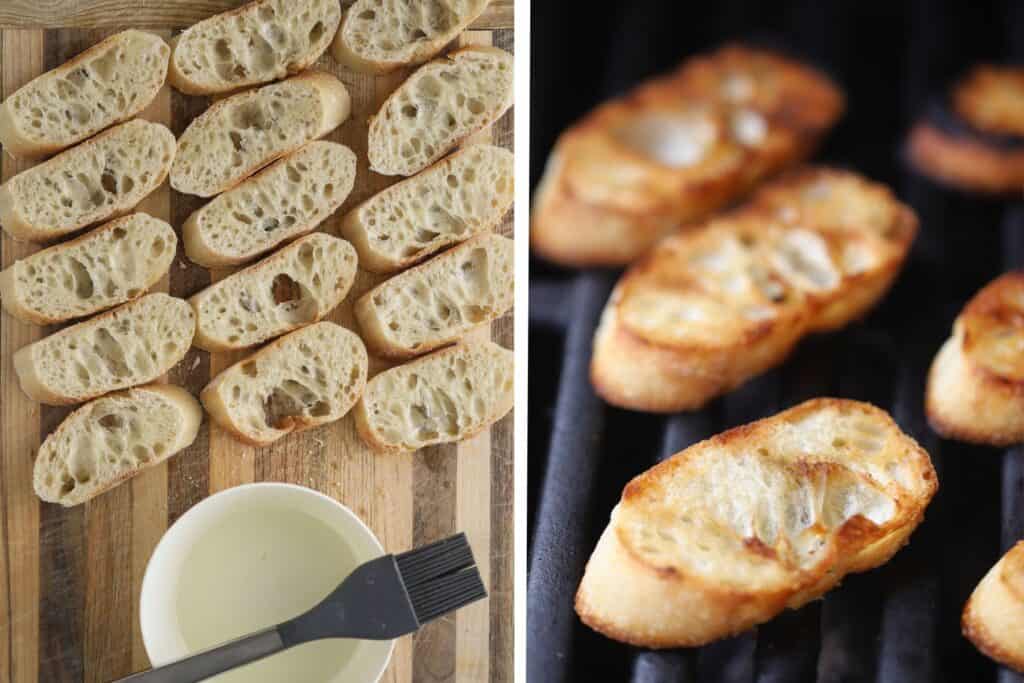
x=675, y=149
x=975, y=390
x=710, y=308
x=722, y=536
x=993, y=618
x=991, y=98
x=964, y=162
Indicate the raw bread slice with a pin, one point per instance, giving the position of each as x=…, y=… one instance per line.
x=378, y=36
x=103, y=177
x=241, y=134
x=302, y=380
x=256, y=43
x=450, y=395
x=993, y=617
x=113, y=438
x=287, y=199
x=438, y=107
x=295, y=286
x=110, y=82
x=733, y=530
x=112, y=264
x=434, y=304
x=130, y=345
x=974, y=387
x=461, y=196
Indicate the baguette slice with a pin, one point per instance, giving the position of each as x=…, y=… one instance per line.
x=378, y=36
x=974, y=390
x=287, y=199
x=113, y=438
x=240, y=134
x=447, y=396
x=733, y=530
x=295, y=286
x=303, y=380
x=461, y=196
x=112, y=264
x=104, y=177
x=438, y=107
x=130, y=345
x=993, y=617
x=709, y=308
x=438, y=302
x=110, y=82
x=256, y=43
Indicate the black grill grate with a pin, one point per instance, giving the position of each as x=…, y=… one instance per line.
x=899, y=622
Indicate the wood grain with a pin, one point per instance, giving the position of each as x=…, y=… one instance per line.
x=70, y=578
x=156, y=14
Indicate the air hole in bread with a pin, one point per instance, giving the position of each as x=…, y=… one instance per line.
x=316, y=33
x=250, y=370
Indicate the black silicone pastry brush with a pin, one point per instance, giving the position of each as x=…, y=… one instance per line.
x=382, y=599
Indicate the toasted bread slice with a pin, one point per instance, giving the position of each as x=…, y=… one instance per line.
x=993, y=617
x=287, y=199
x=113, y=438
x=379, y=36
x=110, y=82
x=731, y=531
x=113, y=264
x=460, y=196
x=436, y=303
x=674, y=150
x=708, y=309
x=975, y=389
x=241, y=134
x=130, y=345
x=295, y=286
x=104, y=177
x=438, y=107
x=256, y=43
x=450, y=395
x=303, y=380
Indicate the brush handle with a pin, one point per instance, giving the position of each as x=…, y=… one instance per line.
x=199, y=667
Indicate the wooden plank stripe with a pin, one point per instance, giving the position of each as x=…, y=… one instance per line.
x=164, y=15
x=22, y=59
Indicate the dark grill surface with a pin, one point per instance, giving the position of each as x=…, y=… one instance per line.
x=899, y=622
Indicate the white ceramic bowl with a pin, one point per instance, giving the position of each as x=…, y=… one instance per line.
x=250, y=557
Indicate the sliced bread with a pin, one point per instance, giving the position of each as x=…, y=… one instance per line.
x=438, y=107
x=112, y=264
x=113, y=438
x=735, y=529
x=110, y=82
x=458, y=197
x=287, y=199
x=434, y=304
x=302, y=380
x=378, y=36
x=993, y=618
x=103, y=177
x=130, y=345
x=256, y=43
x=450, y=395
x=241, y=134
x=295, y=286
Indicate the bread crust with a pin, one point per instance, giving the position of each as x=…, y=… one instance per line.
x=993, y=618
x=181, y=82
x=607, y=184
x=965, y=163
x=665, y=596
x=667, y=366
x=20, y=227
x=345, y=55
x=335, y=105
x=192, y=418
x=19, y=146
x=975, y=390
x=8, y=283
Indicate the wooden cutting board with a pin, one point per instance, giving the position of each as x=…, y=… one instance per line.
x=70, y=579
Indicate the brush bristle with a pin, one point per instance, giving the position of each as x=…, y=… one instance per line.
x=440, y=577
